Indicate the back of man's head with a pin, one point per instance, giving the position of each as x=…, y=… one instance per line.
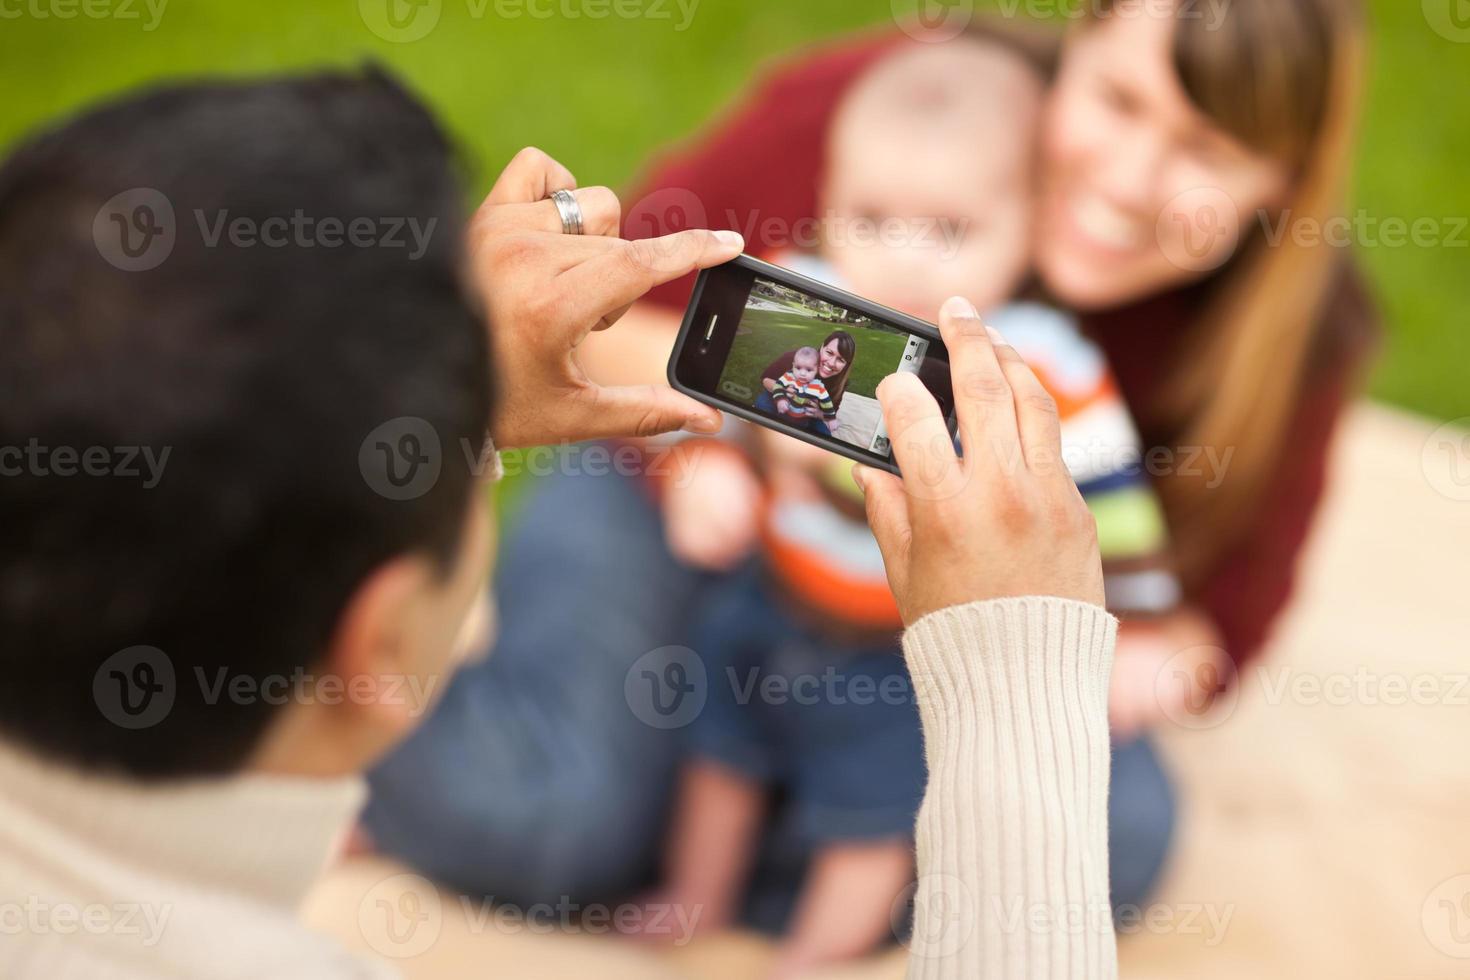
x=189, y=372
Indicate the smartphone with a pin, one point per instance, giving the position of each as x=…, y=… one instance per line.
x=785, y=351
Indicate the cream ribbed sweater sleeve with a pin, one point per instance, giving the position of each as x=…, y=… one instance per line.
x=1012, y=836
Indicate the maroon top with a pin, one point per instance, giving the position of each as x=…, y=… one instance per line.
x=758, y=171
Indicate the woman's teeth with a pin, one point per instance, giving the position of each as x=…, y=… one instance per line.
x=1106, y=224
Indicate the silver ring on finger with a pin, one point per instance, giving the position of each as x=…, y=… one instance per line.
x=570, y=211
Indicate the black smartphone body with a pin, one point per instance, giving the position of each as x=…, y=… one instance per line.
x=793, y=354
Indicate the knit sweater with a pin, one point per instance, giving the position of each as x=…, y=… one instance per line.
x=104, y=880
x=1012, y=835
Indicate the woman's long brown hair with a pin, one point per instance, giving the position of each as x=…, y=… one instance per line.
x=847, y=350
x=1285, y=77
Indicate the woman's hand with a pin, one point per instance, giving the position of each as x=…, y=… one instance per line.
x=545, y=291
x=711, y=519
x=1006, y=520
x=1167, y=668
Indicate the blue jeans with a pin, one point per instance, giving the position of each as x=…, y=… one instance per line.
x=833, y=724
x=765, y=403
x=535, y=779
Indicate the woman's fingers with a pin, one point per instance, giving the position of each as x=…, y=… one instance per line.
x=922, y=446
x=529, y=177
x=1037, y=421
x=984, y=402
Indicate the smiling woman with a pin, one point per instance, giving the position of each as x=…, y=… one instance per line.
x=1170, y=138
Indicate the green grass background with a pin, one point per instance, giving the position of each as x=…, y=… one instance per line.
x=603, y=94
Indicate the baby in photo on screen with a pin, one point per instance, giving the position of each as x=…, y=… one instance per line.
x=800, y=394
x=928, y=194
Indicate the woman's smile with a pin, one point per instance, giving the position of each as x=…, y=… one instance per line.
x=832, y=362
x=1103, y=224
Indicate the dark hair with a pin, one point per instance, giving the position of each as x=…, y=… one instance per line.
x=259, y=368
x=847, y=349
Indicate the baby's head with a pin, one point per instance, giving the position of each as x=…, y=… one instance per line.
x=804, y=365
x=928, y=187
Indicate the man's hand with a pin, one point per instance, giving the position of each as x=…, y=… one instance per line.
x=545, y=291
x=1006, y=520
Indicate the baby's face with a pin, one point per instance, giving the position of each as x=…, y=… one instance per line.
x=804, y=367
x=922, y=210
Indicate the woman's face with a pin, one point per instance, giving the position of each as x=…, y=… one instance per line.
x=833, y=363
x=1141, y=192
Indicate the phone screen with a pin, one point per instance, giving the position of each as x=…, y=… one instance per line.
x=803, y=358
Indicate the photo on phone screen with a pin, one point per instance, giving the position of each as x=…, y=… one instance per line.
x=795, y=355
x=815, y=365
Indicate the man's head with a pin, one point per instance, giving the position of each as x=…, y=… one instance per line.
x=804, y=365
x=272, y=314
x=928, y=191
